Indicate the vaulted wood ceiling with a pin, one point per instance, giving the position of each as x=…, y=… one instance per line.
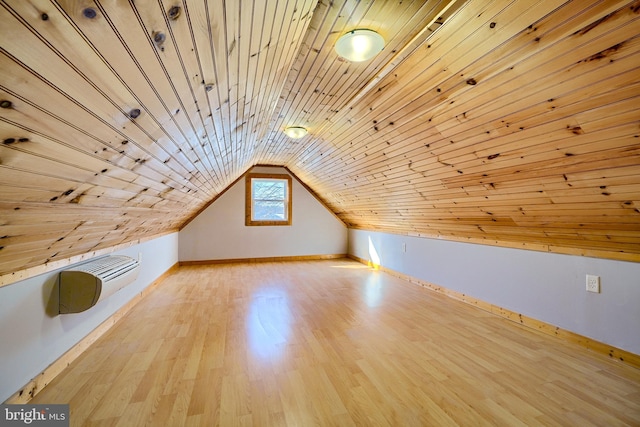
x=511, y=122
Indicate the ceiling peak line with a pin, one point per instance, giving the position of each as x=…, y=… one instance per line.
x=271, y=103
x=416, y=41
x=310, y=38
x=402, y=54
x=413, y=44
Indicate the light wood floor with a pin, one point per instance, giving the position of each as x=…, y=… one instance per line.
x=331, y=343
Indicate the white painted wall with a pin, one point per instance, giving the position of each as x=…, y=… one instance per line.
x=31, y=339
x=219, y=231
x=545, y=286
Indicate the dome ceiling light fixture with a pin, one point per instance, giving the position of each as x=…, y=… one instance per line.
x=295, y=132
x=359, y=45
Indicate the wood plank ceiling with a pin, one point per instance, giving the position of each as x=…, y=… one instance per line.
x=511, y=122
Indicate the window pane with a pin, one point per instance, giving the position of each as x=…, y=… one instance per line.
x=268, y=190
x=264, y=210
x=269, y=199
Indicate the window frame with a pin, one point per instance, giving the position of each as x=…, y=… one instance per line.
x=249, y=221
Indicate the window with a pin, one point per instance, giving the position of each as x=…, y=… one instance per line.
x=268, y=199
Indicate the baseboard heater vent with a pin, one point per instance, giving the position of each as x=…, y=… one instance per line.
x=82, y=286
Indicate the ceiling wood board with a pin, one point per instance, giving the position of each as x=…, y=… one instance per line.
x=511, y=122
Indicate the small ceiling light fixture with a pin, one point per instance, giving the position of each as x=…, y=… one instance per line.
x=295, y=132
x=359, y=45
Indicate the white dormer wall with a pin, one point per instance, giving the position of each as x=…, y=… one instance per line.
x=219, y=232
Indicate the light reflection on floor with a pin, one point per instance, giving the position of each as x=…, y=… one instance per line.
x=352, y=267
x=373, y=290
x=268, y=322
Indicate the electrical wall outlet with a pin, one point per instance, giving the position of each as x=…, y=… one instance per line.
x=404, y=247
x=593, y=283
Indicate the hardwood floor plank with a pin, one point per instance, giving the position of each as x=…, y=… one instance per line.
x=331, y=342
